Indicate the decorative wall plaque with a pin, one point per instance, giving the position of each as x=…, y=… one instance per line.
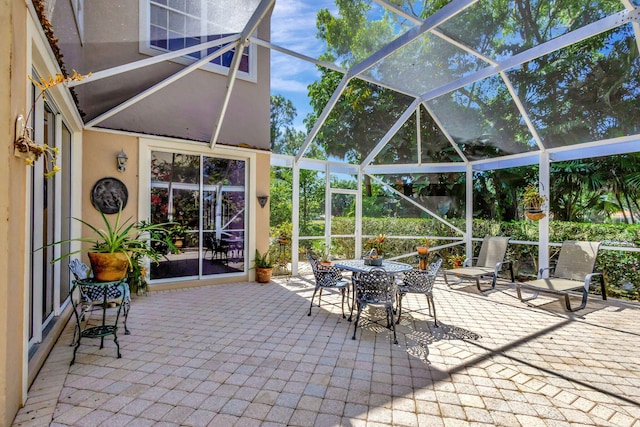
x=109, y=194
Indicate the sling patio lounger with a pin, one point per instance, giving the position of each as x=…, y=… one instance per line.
x=489, y=263
x=574, y=271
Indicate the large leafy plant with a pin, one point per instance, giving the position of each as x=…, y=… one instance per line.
x=128, y=237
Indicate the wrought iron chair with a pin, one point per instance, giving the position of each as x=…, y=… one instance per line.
x=420, y=282
x=91, y=297
x=572, y=272
x=375, y=287
x=489, y=263
x=327, y=277
x=219, y=251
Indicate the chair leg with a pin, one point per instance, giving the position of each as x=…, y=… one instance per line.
x=399, y=308
x=312, y=298
x=342, y=291
x=355, y=325
x=521, y=298
x=432, y=303
x=393, y=325
x=127, y=307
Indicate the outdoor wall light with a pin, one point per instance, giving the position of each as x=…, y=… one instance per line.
x=122, y=160
x=263, y=200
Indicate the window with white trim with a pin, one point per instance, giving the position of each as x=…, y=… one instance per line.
x=172, y=25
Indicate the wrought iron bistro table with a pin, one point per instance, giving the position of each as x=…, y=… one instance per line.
x=109, y=290
x=358, y=266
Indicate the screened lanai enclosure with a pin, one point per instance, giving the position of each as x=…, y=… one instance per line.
x=430, y=97
x=405, y=108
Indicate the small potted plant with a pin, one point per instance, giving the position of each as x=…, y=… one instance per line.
x=533, y=201
x=423, y=252
x=456, y=261
x=264, y=267
x=376, y=251
x=323, y=251
x=178, y=233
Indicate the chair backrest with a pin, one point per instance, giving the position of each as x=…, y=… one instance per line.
x=576, y=259
x=313, y=260
x=375, y=286
x=492, y=251
x=79, y=269
x=434, y=267
x=418, y=281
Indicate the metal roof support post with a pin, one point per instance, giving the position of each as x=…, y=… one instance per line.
x=358, y=242
x=295, y=218
x=327, y=206
x=469, y=211
x=543, y=224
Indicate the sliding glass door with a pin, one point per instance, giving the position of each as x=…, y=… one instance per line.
x=204, y=198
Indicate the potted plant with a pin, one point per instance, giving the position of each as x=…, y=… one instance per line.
x=178, y=233
x=376, y=247
x=284, y=233
x=533, y=201
x=423, y=251
x=323, y=251
x=117, y=246
x=264, y=267
x=456, y=261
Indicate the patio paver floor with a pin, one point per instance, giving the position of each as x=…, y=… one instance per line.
x=247, y=354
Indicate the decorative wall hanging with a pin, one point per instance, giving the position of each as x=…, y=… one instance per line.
x=109, y=195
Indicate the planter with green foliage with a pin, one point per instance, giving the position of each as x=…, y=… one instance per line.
x=533, y=201
x=264, y=267
x=117, y=245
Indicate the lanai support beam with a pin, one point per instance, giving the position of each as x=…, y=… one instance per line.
x=257, y=17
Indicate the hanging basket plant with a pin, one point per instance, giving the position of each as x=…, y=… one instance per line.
x=533, y=202
x=24, y=145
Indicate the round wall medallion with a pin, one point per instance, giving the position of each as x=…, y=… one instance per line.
x=109, y=195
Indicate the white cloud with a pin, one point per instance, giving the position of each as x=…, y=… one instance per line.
x=293, y=25
x=288, y=85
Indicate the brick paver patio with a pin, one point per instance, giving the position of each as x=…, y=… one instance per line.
x=247, y=355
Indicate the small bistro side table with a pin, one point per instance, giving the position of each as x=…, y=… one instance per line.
x=108, y=289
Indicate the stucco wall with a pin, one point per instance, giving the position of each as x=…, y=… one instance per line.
x=187, y=108
x=13, y=14
x=99, y=151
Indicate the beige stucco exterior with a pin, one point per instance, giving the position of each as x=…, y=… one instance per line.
x=112, y=38
x=13, y=15
x=23, y=47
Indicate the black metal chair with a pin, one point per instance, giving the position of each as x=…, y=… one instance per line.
x=90, y=297
x=375, y=288
x=327, y=277
x=420, y=282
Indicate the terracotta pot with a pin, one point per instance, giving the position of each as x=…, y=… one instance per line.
x=422, y=250
x=263, y=275
x=108, y=267
x=534, y=215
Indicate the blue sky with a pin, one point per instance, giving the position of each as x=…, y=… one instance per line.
x=293, y=26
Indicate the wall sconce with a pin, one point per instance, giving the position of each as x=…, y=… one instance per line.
x=122, y=160
x=263, y=200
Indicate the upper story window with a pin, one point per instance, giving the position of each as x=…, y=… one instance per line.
x=172, y=25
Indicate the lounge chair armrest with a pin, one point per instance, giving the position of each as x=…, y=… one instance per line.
x=587, y=280
x=542, y=270
x=500, y=265
x=469, y=262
